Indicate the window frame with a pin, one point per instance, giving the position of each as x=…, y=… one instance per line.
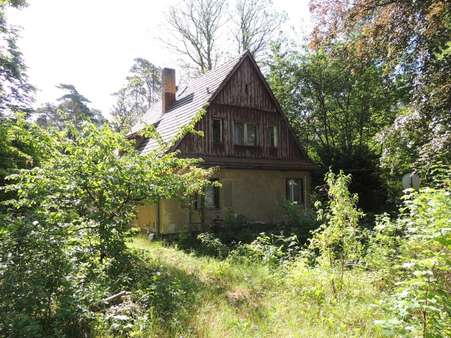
x=273, y=136
x=199, y=199
x=245, y=134
x=290, y=196
x=221, y=131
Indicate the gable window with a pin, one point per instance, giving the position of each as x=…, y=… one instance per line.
x=273, y=134
x=217, y=131
x=245, y=134
x=295, y=190
x=209, y=200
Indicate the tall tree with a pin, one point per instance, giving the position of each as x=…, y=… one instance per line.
x=255, y=23
x=72, y=109
x=337, y=103
x=408, y=39
x=141, y=90
x=148, y=76
x=195, y=27
x=15, y=91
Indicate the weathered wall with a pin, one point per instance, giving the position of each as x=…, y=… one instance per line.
x=256, y=194
x=245, y=99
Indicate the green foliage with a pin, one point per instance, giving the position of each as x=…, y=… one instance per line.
x=335, y=101
x=37, y=281
x=338, y=239
x=71, y=111
x=420, y=261
x=64, y=226
x=298, y=220
x=15, y=91
x=23, y=145
x=213, y=245
x=269, y=249
x=136, y=97
x=89, y=183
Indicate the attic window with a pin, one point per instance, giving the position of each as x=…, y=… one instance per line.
x=217, y=131
x=245, y=134
x=273, y=135
x=246, y=89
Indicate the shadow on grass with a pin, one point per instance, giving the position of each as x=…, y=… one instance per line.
x=168, y=295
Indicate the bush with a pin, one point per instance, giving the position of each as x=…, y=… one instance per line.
x=338, y=239
x=298, y=220
x=38, y=282
x=415, y=248
x=268, y=249
x=211, y=245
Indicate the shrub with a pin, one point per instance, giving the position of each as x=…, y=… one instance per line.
x=298, y=219
x=38, y=287
x=211, y=245
x=420, y=303
x=268, y=249
x=338, y=238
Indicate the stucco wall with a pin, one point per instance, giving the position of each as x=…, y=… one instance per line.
x=256, y=194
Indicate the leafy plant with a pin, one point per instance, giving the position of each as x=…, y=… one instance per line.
x=420, y=303
x=212, y=245
x=338, y=239
x=268, y=249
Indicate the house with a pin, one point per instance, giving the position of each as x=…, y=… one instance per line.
x=246, y=135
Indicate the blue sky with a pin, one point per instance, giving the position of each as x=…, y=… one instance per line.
x=92, y=43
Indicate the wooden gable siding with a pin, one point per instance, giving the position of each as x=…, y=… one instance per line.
x=233, y=104
x=245, y=89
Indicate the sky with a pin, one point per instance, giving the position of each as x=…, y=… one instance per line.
x=92, y=43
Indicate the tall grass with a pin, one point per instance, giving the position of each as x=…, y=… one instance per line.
x=229, y=298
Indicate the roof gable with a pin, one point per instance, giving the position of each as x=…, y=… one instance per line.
x=203, y=90
x=245, y=88
x=189, y=100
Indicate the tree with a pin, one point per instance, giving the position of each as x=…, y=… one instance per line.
x=194, y=32
x=137, y=96
x=255, y=24
x=148, y=76
x=408, y=39
x=336, y=101
x=72, y=109
x=87, y=185
x=15, y=91
x=23, y=145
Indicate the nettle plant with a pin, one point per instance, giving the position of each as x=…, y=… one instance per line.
x=420, y=303
x=98, y=179
x=338, y=239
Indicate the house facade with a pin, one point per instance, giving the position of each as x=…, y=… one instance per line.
x=247, y=137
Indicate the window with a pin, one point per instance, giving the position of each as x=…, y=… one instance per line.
x=295, y=190
x=209, y=200
x=217, y=128
x=273, y=134
x=245, y=134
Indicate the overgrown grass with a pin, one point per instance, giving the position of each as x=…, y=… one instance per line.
x=231, y=298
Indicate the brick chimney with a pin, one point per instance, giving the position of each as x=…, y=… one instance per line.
x=168, y=89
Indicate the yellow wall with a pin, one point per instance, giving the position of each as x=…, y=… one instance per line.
x=256, y=194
